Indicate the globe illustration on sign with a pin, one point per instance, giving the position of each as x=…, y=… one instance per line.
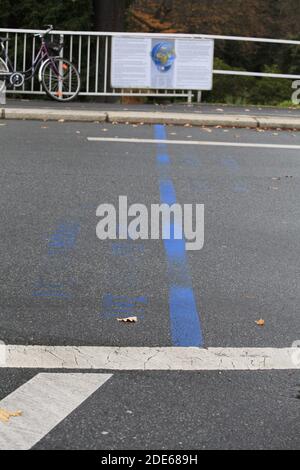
x=163, y=55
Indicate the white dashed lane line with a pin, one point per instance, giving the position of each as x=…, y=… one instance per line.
x=193, y=142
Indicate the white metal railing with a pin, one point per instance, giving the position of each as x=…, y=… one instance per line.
x=90, y=51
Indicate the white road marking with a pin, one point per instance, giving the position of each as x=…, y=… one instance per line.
x=193, y=142
x=112, y=358
x=44, y=401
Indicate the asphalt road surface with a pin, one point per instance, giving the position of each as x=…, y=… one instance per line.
x=61, y=286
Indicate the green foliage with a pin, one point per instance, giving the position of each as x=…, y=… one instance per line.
x=4, y=13
x=66, y=14
x=264, y=19
x=249, y=90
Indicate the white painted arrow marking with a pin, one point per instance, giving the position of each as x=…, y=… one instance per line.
x=44, y=401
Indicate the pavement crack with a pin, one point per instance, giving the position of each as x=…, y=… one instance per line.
x=56, y=357
x=150, y=359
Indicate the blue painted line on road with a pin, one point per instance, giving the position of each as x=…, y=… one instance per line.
x=167, y=192
x=186, y=328
x=64, y=238
x=240, y=188
x=160, y=133
x=60, y=245
x=186, y=331
x=127, y=249
x=123, y=306
x=163, y=159
x=231, y=164
x=52, y=290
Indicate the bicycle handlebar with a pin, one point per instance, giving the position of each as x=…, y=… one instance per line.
x=42, y=35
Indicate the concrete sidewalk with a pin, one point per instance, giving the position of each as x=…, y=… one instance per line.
x=193, y=115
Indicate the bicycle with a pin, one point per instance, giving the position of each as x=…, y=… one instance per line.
x=59, y=77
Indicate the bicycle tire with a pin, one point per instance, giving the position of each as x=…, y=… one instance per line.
x=58, y=87
x=4, y=69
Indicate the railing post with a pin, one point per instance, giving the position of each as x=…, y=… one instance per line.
x=103, y=45
x=61, y=70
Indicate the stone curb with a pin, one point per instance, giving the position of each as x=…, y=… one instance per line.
x=138, y=117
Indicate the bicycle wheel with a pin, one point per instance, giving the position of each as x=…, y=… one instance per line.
x=60, y=79
x=3, y=69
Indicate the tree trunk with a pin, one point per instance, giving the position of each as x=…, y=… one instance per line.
x=110, y=15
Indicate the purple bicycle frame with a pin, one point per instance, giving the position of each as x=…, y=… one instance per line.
x=42, y=55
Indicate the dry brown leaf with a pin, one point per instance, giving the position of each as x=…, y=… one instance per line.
x=6, y=415
x=128, y=320
x=260, y=322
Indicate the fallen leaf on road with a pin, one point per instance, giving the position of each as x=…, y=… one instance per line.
x=128, y=320
x=260, y=322
x=6, y=415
